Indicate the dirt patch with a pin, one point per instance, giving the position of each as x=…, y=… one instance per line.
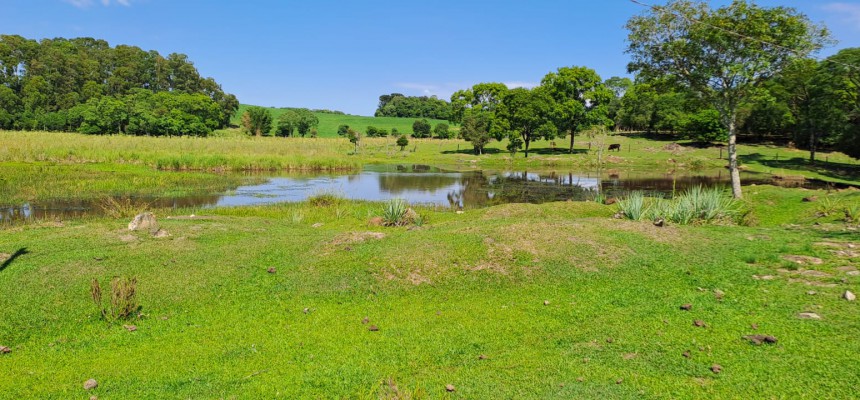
x=803, y=260
x=614, y=159
x=4, y=257
x=128, y=238
x=356, y=237
x=811, y=283
x=414, y=275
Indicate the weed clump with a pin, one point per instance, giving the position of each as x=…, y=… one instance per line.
x=122, y=304
x=396, y=212
x=325, y=199
x=696, y=205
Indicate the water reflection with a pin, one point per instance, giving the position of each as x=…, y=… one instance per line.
x=418, y=184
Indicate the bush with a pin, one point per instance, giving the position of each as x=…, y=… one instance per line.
x=705, y=126
x=325, y=199
x=396, y=212
x=421, y=129
x=342, y=130
x=441, y=131
x=123, y=298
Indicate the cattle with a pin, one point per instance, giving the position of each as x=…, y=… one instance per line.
x=615, y=146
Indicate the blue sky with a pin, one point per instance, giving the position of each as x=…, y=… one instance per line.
x=343, y=54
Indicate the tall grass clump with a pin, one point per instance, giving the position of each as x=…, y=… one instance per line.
x=697, y=204
x=325, y=199
x=122, y=207
x=396, y=212
x=123, y=299
x=633, y=206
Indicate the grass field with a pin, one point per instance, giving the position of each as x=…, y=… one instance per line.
x=517, y=301
x=330, y=122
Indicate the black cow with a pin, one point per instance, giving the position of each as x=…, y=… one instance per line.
x=615, y=146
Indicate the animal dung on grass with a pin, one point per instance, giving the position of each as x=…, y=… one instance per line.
x=700, y=324
x=450, y=388
x=373, y=328
x=271, y=270
x=758, y=340
x=5, y=350
x=130, y=328
x=687, y=307
x=716, y=368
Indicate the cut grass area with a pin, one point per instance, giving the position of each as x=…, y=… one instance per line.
x=330, y=122
x=216, y=324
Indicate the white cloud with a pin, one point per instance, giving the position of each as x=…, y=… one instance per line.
x=518, y=84
x=850, y=12
x=90, y=3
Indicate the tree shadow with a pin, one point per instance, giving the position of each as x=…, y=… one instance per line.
x=560, y=151
x=20, y=252
x=487, y=150
x=830, y=169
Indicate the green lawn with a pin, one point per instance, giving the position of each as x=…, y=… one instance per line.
x=330, y=122
x=561, y=300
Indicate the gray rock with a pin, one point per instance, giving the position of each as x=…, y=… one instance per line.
x=144, y=221
x=160, y=233
x=808, y=315
x=849, y=296
x=90, y=384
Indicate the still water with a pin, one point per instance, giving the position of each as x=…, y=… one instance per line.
x=418, y=184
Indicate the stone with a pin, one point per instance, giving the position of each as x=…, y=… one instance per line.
x=317, y=225
x=546, y=302
x=687, y=354
x=618, y=382
x=160, y=233
x=90, y=384
x=719, y=294
x=450, y=388
x=365, y=320
x=144, y=221
x=803, y=259
x=699, y=324
x=373, y=328
x=763, y=277
x=716, y=368
x=808, y=315
x=5, y=350
x=687, y=307
x=482, y=357
x=812, y=293
x=849, y=296
x=130, y=328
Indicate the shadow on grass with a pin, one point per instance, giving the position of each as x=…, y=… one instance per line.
x=837, y=170
x=471, y=152
x=12, y=258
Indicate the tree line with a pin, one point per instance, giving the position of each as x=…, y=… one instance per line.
x=398, y=105
x=85, y=85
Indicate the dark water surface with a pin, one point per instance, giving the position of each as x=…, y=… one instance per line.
x=419, y=184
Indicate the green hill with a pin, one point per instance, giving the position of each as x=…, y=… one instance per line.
x=330, y=121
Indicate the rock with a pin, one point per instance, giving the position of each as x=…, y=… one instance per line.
x=90, y=384
x=580, y=379
x=808, y=315
x=459, y=212
x=306, y=310
x=853, y=273
x=618, y=382
x=699, y=324
x=450, y=388
x=5, y=350
x=271, y=270
x=810, y=199
x=546, y=302
x=365, y=320
x=687, y=354
x=849, y=296
x=659, y=222
x=803, y=259
x=719, y=294
x=763, y=277
x=130, y=328
x=618, y=215
x=758, y=340
x=94, y=397
x=373, y=328
x=716, y=368
x=609, y=340
x=144, y=221
x=482, y=357
x=812, y=293
x=317, y=225
x=687, y=307
x=160, y=233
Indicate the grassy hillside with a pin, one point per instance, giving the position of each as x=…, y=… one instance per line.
x=330, y=122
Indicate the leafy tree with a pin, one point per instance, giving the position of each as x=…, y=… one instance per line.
x=705, y=126
x=382, y=132
x=398, y=105
x=421, y=128
x=527, y=114
x=287, y=122
x=840, y=77
x=402, y=141
x=371, y=131
x=700, y=48
x=582, y=100
x=342, y=130
x=354, y=138
x=257, y=121
x=476, y=129
x=305, y=121
x=482, y=97
x=441, y=130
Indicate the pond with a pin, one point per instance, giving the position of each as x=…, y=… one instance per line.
x=419, y=184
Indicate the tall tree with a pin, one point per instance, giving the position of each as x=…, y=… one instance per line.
x=842, y=72
x=526, y=115
x=721, y=54
x=582, y=99
x=257, y=121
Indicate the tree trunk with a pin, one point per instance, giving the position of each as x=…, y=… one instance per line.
x=527, y=147
x=571, y=142
x=812, y=139
x=733, y=159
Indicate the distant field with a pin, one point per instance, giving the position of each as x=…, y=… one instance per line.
x=330, y=122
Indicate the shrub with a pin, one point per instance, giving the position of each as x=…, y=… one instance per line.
x=421, y=128
x=705, y=126
x=402, y=141
x=123, y=298
x=396, y=212
x=441, y=131
x=633, y=206
x=697, y=204
x=342, y=130
x=325, y=199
